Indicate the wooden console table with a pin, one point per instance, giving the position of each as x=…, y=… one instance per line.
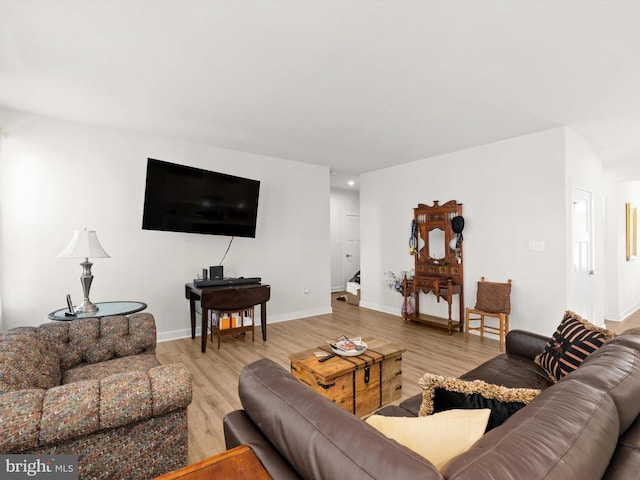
x=226, y=298
x=441, y=288
x=237, y=463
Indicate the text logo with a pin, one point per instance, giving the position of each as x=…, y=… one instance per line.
x=50, y=467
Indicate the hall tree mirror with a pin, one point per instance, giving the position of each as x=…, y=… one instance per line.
x=632, y=231
x=437, y=242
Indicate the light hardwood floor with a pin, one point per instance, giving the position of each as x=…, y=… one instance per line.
x=215, y=373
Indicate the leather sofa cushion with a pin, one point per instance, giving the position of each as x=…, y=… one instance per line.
x=625, y=463
x=511, y=371
x=525, y=344
x=319, y=439
x=568, y=431
x=615, y=370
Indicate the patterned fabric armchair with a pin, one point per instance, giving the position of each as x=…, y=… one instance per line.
x=94, y=388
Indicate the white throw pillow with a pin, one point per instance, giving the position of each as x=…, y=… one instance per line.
x=438, y=437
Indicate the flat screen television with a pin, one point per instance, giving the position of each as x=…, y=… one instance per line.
x=178, y=198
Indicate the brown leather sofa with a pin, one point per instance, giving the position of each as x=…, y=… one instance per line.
x=584, y=427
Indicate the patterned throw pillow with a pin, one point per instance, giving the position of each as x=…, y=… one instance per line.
x=440, y=393
x=573, y=341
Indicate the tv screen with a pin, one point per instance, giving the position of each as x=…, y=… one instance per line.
x=178, y=198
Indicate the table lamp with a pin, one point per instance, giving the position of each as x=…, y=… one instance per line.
x=85, y=244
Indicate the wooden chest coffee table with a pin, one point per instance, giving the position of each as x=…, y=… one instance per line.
x=359, y=384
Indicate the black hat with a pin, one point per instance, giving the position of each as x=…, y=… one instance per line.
x=457, y=223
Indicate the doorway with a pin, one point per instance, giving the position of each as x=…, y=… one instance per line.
x=350, y=247
x=583, y=260
x=344, y=216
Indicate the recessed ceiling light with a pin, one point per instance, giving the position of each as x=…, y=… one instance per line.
x=351, y=183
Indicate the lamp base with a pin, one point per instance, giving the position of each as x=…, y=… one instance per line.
x=87, y=307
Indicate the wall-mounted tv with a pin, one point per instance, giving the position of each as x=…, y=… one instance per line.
x=178, y=198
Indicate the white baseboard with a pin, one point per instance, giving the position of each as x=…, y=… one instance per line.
x=619, y=317
x=381, y=308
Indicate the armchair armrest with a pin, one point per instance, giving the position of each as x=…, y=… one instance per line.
x=525, y=344
x=38, y=417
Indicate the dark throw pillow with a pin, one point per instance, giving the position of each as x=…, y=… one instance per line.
x=573, y=341
x=441, y=393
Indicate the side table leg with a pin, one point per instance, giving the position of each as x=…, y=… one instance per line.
x=204, y=328
x=192, y=314
x=263, y=320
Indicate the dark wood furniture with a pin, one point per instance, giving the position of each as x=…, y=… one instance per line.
x=227, y=298
x=438, y=263
x=237, y=463
x=359, y=384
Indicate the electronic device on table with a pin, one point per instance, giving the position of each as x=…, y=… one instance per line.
x=226, y=281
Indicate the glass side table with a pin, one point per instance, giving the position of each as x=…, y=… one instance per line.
x=105, y=309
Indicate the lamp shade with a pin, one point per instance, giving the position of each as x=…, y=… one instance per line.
x=84, y=244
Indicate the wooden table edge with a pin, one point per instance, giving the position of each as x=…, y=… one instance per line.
x=242, y=464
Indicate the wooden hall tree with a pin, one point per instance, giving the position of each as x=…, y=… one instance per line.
x=438, y=262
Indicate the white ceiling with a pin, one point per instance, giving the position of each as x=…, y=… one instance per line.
x=355, y=85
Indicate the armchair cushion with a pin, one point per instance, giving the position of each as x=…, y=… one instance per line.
x=38, y=417
x=70, y=411
x=90, y=371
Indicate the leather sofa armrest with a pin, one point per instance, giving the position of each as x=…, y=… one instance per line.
x=36, y=417
x=525, y=344
x=240, y=430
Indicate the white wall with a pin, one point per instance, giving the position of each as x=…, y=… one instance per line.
x=584, y=171
x=512, y=191
x=343, y=202
x=621, y=185
x=58, y=176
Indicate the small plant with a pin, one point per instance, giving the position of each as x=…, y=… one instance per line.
x=395, y=282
